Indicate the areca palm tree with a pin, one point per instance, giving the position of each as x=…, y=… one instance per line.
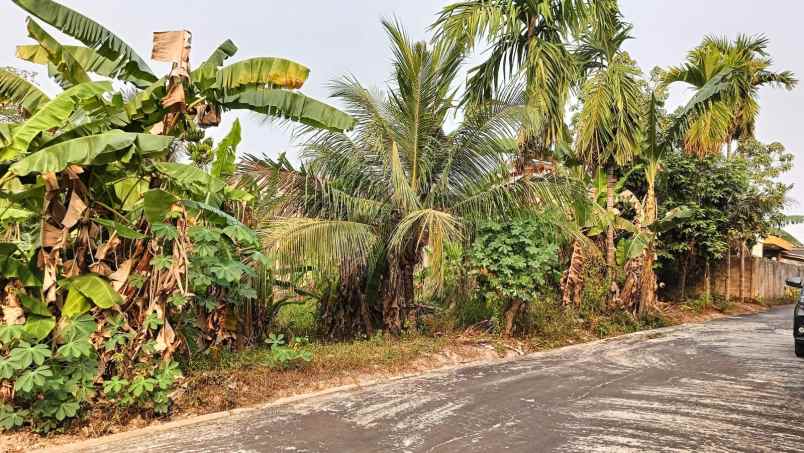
x=743, y=67
x=530, y=39
x=372, y=204
x=608, y=131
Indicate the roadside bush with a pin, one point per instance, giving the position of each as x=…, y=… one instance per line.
x=515, y=264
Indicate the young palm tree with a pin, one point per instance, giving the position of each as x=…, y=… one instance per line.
x=742, y=67
x=529, y=38
x=372, y=203
x=608, y=133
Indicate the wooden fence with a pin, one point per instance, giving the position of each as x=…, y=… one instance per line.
x=763, y=279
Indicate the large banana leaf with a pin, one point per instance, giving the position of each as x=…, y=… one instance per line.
x=92, y=150
x=190, y=178
x=89, y=59
x=226, y=153
x=146, y=102
x=90, y=33
x=52, y=115
x=16, y=89
x=71, y=72
x=205, y=75
x=290, y=105
x=260, y=72
x=97, y=289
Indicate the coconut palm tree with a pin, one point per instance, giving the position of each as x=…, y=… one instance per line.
x=742, y=67
x=530, y=39
x=608, y=130
x=373, y=203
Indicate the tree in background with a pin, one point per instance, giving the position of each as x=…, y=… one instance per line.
x=608, y=128
x=742, y=67
x=531, y=40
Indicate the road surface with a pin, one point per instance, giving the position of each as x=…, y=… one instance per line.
x=727, y=385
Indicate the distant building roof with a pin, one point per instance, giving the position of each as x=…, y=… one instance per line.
x=775, y=242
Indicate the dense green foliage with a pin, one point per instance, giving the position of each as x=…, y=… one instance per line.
x=130, y=242
x=516, y=261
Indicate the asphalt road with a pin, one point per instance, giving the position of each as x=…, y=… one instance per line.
x=728, y=385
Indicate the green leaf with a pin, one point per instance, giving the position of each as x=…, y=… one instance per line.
x=260, y=72
x=142, y=385
x=8, y=368
x=90, y=33
x=89, y=59
x=165, y=231
x=289, y=105
x=122, y=230
x=226, y=153
x=33, y=379
x=98, y=149
x=39, y=327
x=11, y=333
x=62, y=63
x=10, y=420
x=25, y=355
x=34, y=306
x=80, y=327
x=75, y=305
x=190, y=178
x=130, y=191
x=200, y=233
x=52, y=115
x=17, y=90
x=12, y=266
x=67, y=409
x=157, y=203
x=97, y=289
x=161, y=262
x=205, y=75
x=241, y=234
x=80, y=347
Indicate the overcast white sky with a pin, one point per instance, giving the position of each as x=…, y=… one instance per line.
x=338, y=38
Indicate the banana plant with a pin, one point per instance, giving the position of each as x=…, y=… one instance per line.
x=265, y=85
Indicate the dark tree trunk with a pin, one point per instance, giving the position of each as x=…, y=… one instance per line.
x=742, y=271
x=344, y=313
x=610, y=250
x=511, y=312
x=398, y=290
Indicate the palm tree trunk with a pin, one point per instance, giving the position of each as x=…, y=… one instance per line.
x=398, y=290
x=610, y=250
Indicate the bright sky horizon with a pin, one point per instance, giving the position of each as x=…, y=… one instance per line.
x=336, y=39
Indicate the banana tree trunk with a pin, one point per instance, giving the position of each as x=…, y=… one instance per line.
x=610, y=250
x=572, y=280
x=510, y=314
x=648, y=293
